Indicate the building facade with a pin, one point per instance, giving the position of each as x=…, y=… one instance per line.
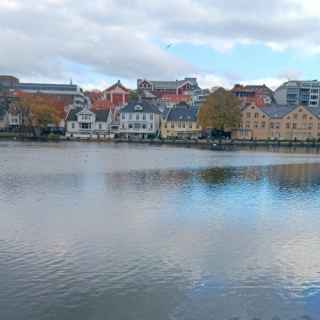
x=68, y=94
x=139, y=119
x=169, y=91
x=260, y=95
x=82, y=123
x=306, y=93
x=180, y=122
x=8, y=82
x=278, y=122
x=117, y=95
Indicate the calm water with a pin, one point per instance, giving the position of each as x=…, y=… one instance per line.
x=91, y=231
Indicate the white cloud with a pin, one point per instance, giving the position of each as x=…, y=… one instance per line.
x=124, y=38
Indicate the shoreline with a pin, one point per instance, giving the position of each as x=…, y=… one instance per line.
x=215, y=145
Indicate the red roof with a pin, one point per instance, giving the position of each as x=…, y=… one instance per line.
x=117, y=84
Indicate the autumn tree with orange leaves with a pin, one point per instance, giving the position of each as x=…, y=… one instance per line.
x=36, y=112
x=221, y=111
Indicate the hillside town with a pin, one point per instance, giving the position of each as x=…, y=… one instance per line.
x=162, y=110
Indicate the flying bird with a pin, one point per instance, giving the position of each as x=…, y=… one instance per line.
x=169, y=46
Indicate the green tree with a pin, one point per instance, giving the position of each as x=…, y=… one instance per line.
x=133, y=95
x=221, y=111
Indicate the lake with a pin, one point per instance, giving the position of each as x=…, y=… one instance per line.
x=118, y=231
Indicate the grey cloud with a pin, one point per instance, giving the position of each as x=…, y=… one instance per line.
x=121, y=38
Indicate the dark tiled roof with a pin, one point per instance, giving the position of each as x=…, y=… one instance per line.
x=140, y=106
x=277, y=111
x=101, y=115
x=182, y=114
x=314, y=110
x=47, y=87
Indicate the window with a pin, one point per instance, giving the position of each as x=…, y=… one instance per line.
x=73, y=125
x=172, y=124
x=256, y=125
x=179, y=124
x=183, y=124
x=256, y=115
x=165, y=125
x=130, y=126
x=123, y=116
x=263, y=124
x=138, y=116
x=248, y=125
x=271, y=125
x=130, y=116
x=304, y=117
x=190, y=125
x=288, y=125
x=85, y=125
x=294, y=126
x=151, y=126
x=100, y=126
x=310, y=126
x=144, y=117
x=295, y=116
x=248, y=115
x=151, y=116
x=137, y=126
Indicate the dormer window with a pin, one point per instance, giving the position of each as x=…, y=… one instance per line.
x=138, y=108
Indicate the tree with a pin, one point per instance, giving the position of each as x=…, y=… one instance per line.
x=133, y=95
x=221, y=111
x=36, y=112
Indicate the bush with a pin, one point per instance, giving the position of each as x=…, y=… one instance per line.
x=53, y=137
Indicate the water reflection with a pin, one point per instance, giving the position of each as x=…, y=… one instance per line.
x=98, y=239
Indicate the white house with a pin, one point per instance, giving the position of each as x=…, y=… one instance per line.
x=139, y=119
x=83, y=123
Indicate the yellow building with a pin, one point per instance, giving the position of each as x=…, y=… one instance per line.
x=181, y=123
x=279, y=122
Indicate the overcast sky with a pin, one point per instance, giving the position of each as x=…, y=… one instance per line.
x=220, y=41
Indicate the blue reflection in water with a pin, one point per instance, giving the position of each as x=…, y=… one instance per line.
x=93, y=231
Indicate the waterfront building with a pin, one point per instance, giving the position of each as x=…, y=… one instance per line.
x=117, y=95
x=8, y=82
x=82, y=123
x=199, y=96
x=180, y=122
x=306, y=93
x=3, y=117
x=139, y=119
x=260, y=95
x=169, y=91
x=281, y=122
x=68, y=94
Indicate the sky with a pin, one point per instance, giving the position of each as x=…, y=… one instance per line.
x=221, y=42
